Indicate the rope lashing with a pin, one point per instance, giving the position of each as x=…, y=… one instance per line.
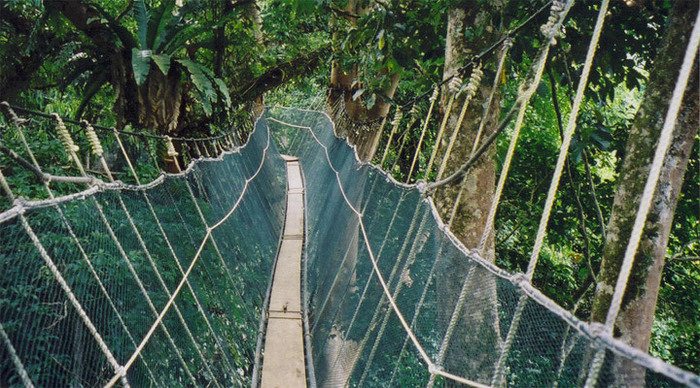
x=64, y=135
x=469, y=91
x=170, y=147
x=550, y=27
x=95, y=144
x=398, y=115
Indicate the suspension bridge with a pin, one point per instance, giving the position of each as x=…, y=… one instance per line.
x=275, y=257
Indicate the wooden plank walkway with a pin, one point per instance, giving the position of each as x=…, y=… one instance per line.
x=283, y=357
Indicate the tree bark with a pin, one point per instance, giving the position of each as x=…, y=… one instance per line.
x=472, y=352
x=363, y=124
x=634, y=322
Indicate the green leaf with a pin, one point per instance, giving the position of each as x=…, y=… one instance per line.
x=162, y=61
x=140, y=63
x=381, y=40
x=223, y=89
x=159, y=22
x=201, y=82
x=142, y=17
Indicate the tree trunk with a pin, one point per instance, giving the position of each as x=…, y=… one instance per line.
x=363, y=124
x=471, y=352
x=634, y=322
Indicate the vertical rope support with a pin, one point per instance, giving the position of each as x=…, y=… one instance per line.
x=118, y=369
x=18, y=123
x=507, y=44
x=441, y=131
x=406, y=134
x=97, y=150
x=550, y=29
x=394, y=127
x=433, y=98
x=647, y=197
x=470, y=92
x=71, y=149
x=171, y=152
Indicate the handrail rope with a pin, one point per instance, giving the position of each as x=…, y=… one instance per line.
x=498, y=375
x=98, y=151
x=71, y=149
x=647, y=197
x=110, y=129
x=19, y=123
x=194, y=261
x=433, y=369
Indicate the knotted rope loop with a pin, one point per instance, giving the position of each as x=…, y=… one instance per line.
x=170, y=147
x=433, y=97
x=549, y=28
x=64, y=135
x=95, y=144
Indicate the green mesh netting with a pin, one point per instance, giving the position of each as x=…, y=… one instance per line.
x=209, y=334
x=83, y=289
x=356, y=337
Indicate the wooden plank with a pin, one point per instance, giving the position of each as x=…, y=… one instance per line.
x=283, y=355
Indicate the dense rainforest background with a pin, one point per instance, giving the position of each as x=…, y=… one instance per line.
x=188, y=68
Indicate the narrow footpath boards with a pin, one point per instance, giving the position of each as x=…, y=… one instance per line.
x=283, y=360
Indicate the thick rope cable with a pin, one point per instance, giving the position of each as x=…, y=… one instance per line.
x=194, y=261
x=507, y=44
x=647, y=198
x=524, y=97
x=413, y=113
x=71, y=150
x=426, y=122
x=441, y=132
x=398, y=114
x=568, y=135
x=18, y=126
x=469, y=92
x=432, y=368
x=551, y=29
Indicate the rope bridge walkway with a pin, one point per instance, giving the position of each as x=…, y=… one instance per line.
x=250, y=268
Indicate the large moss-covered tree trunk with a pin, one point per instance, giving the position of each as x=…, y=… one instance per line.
x=635, y=320
x=471, y=27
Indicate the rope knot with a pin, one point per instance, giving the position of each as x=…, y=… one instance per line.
x=549, y=29
x=508, y=42
x=434, y=369
x=95, y=144
x=520, y=279
x=170, y=147
x=64, y=135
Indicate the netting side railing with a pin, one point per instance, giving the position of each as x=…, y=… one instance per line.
x=384, y=276
x=156, y=284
